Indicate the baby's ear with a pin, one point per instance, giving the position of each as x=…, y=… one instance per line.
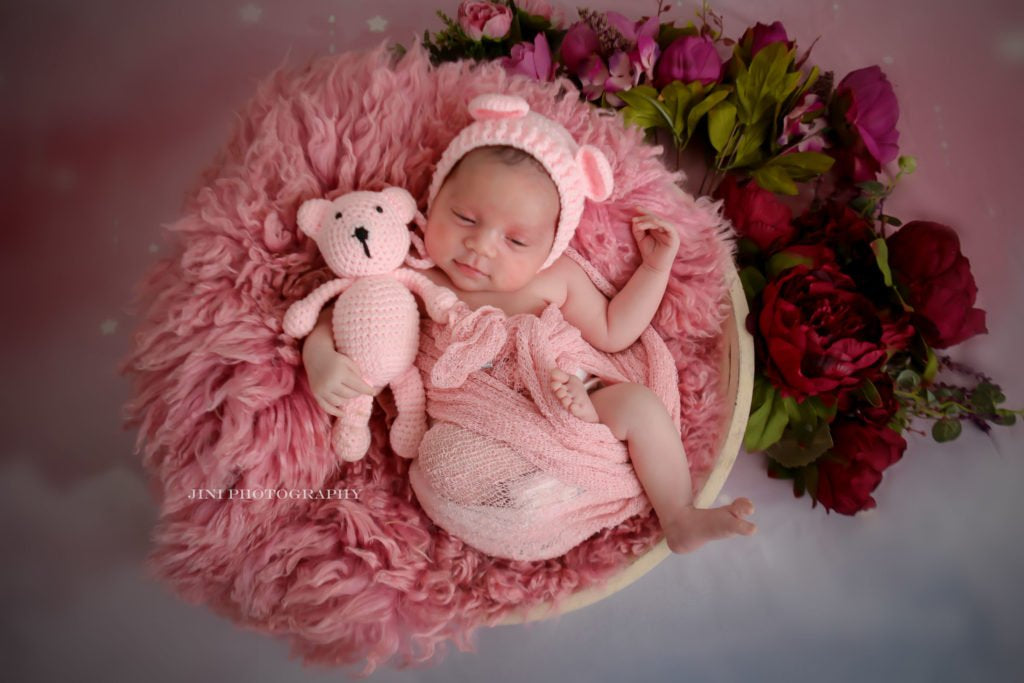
x=598, y=181
x=495, y=106
x=311, y=215
x=402, y=202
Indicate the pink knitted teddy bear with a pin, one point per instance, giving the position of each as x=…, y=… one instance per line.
x=364, y=237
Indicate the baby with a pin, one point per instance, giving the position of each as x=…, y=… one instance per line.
x=505, y=200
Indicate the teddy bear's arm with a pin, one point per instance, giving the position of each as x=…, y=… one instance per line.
x=438, y=300
x=302, y=315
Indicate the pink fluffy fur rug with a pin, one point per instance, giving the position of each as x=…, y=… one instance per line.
x=221, y=400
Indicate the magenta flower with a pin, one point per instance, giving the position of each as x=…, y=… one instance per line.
x=531, y=59
x=688, y=59
x=484, y=19
x=873, y=111
x=761, y=36
x=578, y=46
x=593, y=75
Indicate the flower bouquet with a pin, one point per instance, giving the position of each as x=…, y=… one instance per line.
x=848, y=320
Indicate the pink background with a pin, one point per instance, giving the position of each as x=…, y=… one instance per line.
x=110, y=111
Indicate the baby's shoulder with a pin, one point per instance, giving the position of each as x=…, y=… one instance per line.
x=565, y=275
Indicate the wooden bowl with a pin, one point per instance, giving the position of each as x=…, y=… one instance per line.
x=737, y=383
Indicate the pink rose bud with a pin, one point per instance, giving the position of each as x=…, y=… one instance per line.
x=485, y=19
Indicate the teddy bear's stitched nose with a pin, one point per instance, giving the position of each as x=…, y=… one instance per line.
x=362, y=234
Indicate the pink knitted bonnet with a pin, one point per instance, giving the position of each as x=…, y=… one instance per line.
x=578, y=171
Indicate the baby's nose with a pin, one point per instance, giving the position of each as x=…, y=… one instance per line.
x=483, y=243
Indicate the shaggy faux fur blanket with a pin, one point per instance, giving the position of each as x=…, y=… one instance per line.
x=221, y=402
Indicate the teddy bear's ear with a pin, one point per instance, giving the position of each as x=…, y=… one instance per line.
x=311, y=215
x=495, y=106
x=402, y=202
x=598, y=181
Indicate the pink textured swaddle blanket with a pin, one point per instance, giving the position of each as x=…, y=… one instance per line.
x=505, y=467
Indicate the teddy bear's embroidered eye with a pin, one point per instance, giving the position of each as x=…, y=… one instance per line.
x=380, y=210
x=337, y=215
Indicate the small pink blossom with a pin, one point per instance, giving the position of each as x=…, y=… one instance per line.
x=811, y=108
x=621, y=76
x=645, y=56
x=531, y=59
x=485, y=19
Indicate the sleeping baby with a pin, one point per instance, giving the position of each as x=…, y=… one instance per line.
x=505, y=200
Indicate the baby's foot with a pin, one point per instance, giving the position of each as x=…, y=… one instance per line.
x=573, y=395
x=692, y=527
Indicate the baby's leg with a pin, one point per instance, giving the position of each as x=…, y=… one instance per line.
x=636, y=415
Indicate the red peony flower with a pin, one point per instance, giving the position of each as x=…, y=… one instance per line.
x=852, y=470
x=926, y=259
x=756, y=214
x=817, y=332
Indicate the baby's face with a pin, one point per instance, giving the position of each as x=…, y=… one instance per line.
x=491, y=225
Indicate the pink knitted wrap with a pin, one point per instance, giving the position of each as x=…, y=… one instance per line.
x=220, y=396
x=506, y=467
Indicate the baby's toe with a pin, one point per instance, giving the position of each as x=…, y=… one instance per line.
x=559, y=375
x=742, y=506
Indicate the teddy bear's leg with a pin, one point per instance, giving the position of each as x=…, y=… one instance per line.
x=351, y=435
x=410, y=425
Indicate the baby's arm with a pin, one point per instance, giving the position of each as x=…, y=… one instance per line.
x=613, y=326
x=333, y=377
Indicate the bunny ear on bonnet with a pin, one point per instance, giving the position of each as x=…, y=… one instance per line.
x=495, y=106
x=598, y=181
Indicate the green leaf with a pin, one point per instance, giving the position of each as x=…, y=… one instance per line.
x=790, y=451
x=1004, y=417
x=767, y=421
x=931, y=366
x=803, y=166
x=764, y=83
x=753, y=282
x=945, y=430
x=677, y=97
x=721, y=121
x=821, y=410
x=774, y=179
x=785, y=260
x=872, y=187
x=985, y=397
x=882, y=259
x=870, y=392
x=748, y=148
x=644, y=109
x=908, y=380
x=705, y=105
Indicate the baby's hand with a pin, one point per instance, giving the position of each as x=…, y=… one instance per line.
x=334, y=377
x=657, y=240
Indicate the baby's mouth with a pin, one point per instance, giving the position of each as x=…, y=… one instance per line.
x=469, y=270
